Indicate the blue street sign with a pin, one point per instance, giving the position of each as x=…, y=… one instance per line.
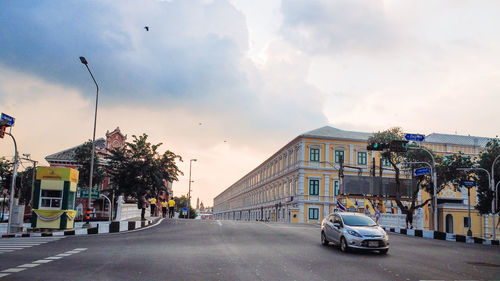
x=10, y=120
x=422, y=171
x=468, y=183
x=414, y=137
x=184, y=209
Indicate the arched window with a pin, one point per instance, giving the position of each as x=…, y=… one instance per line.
x=449, y=223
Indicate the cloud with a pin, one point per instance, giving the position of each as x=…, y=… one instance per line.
x=336, y=26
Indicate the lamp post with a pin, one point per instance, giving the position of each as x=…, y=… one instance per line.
x=490, y=181
x=495, y=195
x=89, y=205
x=434, y=181
x=13, y=185
x=189, y=191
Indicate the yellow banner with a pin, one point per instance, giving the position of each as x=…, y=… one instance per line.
x=51, y=215
x=57, y=174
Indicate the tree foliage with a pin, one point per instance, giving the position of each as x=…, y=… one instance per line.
x=138, y=168
x=83, y=155
x=182, y=202
x=5, y=173
x=485, y=194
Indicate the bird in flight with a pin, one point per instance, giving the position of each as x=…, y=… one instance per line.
x=147, y=28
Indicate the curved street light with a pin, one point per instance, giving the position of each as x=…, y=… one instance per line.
x=189, y=191
x=89, y=205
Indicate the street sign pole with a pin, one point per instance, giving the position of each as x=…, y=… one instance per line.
x=14, y=172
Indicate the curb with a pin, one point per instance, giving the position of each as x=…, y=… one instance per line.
x=430, y=234
x=113, y=227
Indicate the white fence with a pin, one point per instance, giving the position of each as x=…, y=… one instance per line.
x=399, y=221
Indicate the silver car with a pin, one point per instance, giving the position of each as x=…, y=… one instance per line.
x=354, y=231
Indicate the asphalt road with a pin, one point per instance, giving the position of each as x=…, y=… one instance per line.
x=229, y=250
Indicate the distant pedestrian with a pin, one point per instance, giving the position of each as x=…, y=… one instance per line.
x=377, y=214
x=171, y=205
x=152, y=202
x=164, y=206
x=144, y=206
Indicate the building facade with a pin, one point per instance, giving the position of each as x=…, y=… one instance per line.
x=301, y=183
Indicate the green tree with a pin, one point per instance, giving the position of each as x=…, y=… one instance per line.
x=24, y=182
x=5, y=173
x=181, y=202
x=83, y=157
x=485, y=194
x=138, y=168
x=446, y=169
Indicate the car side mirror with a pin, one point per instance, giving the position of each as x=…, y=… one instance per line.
x=337, y=225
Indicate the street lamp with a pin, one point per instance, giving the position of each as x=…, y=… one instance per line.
x=189, y=191
x=490, y=181
x=27, y=157
x=434, y=181
x=89, y=205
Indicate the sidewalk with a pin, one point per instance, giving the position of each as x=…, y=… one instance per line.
x=96, y=228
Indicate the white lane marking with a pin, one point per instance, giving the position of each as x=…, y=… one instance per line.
x=80, y=249
x=17, y=246
x=42, y=261
x=3, y=274
x=53, y=258
x=63, y=255
x=72, y=252
x=29, y=265
x=14, y=269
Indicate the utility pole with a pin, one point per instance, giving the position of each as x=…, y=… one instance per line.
x=13, y=185
x=27, y=157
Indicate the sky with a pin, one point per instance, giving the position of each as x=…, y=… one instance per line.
x=229, y=82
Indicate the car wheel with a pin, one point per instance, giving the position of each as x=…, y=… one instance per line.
x=384, y=251
x=343, y=245
x=324, y=241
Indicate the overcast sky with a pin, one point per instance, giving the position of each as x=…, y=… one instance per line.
x=231, y=82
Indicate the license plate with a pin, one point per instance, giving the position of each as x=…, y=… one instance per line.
x=372, y=243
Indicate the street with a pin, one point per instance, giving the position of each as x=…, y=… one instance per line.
x=236, y=250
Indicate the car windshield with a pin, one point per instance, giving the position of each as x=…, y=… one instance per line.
x=358, y=221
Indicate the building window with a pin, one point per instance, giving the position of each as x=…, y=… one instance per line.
x=335, y=188
x=362, y=158
x=314, y=154
x=51, y=199
x=313, y=187
x=313, y=213
x=385, y=162
x=339, y=156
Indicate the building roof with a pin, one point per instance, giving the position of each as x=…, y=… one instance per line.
x=331, y=132
x=457, y=139
x=68, y=155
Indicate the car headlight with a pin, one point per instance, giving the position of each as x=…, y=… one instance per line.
x=353, y=233
x=385, y=235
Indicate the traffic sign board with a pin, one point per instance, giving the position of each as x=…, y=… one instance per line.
x=9, y=120
x=184, y=209
x=414, y=137
x=468, y=183
x=85, y=193
x=422, y=171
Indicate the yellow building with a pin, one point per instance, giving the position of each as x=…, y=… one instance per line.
x=300, y=182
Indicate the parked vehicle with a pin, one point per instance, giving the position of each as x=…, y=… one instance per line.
x=354, y=231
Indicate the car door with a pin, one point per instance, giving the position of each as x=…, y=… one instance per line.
x=336, y=229
x=328, y=227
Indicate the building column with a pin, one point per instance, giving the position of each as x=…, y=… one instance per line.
x=301, y=195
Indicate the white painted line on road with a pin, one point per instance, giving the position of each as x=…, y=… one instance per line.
x=63, y=255
x=14, y=269
x=80, y=249
x=42, y=261
x=72, y=252
x=17, y=246
x=29, y=265
x=54, y=258
x=3, y=274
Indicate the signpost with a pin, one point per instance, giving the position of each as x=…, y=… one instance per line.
x=414, y=137
x=469, y=185
x=85, y=193
x=422, y=171
x=9, y=120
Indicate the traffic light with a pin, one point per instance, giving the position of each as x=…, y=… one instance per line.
x=88, y=215
x=2, y=131
x=377, y=146
x=398, y=146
